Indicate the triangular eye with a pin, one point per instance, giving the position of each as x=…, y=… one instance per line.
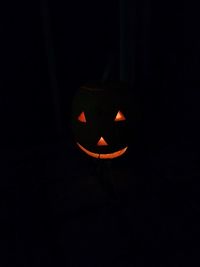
x=81, y=117
x=120, y=116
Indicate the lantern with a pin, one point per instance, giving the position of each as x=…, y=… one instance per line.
x=100, y=119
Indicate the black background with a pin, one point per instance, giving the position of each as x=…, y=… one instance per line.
x=53, y=211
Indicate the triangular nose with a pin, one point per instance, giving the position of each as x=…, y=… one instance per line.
x=102, y=142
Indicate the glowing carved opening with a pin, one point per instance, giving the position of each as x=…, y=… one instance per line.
x=103, y=156
x=120, y=116
x=82, y=117
x=102, y=142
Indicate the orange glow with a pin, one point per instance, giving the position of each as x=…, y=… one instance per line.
x=82, y=117
x=120, y=116
x=102, y=142
x=103, y=156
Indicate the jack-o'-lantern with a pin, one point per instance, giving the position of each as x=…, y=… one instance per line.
x=100, y=118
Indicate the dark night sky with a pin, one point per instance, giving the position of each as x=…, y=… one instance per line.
x=82, y=35
x=48, y=200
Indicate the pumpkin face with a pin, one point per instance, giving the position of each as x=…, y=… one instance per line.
x=99, y=120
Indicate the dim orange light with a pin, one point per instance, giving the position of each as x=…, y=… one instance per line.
x=82, y=117
x=103, y=156
x=120, y=116
x=102, y=142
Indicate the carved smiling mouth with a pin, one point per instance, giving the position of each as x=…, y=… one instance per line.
x=103, y=156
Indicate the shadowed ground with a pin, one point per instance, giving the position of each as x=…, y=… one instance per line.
x=55, y=212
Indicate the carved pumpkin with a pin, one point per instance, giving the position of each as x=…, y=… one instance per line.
x=99, y=119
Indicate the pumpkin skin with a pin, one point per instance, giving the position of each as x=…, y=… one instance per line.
x=100, y=119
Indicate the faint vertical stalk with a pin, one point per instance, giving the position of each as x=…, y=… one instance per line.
x=123, y=40
x=51, y=64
